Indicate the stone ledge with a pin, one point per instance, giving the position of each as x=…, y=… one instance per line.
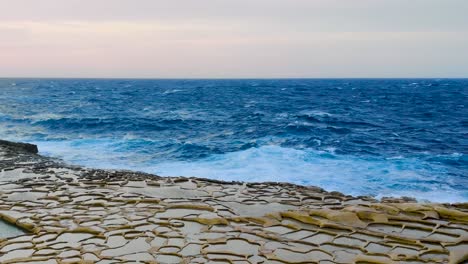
x=18, y=146
x=81, y=215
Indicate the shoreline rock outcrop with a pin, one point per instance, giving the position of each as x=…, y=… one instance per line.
x=81, y=215
x=19, y=146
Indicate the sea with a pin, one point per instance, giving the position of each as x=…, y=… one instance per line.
x=378, y=137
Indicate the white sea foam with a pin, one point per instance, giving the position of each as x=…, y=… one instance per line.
x=317, y=113
x=347, y=174
x=46, y=116
x=172, y=91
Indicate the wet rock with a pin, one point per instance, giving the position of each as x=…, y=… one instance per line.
x=20, y=147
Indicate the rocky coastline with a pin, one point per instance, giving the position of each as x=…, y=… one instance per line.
x=70, y=214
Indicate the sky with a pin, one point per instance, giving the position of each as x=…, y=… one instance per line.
x=234, y=38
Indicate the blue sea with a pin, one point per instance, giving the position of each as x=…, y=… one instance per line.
x=380, y=137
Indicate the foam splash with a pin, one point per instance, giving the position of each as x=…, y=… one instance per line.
x=347, y=174
x=379, y=177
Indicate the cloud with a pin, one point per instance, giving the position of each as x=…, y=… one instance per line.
x=254, y=38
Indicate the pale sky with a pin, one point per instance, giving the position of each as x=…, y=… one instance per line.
x=233, y=38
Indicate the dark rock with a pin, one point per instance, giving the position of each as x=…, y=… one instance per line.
x=335, y=193
x=31, y=148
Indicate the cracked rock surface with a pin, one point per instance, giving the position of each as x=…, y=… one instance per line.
x=78, y=215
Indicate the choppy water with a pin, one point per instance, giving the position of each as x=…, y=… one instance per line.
x=361, y=137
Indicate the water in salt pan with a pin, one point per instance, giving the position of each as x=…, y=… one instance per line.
x=7, y=230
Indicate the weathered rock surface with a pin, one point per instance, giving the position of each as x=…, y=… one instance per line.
x=78, y=215
x=19, y=147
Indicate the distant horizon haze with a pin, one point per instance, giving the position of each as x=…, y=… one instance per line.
x=232, y=78
x=227, y=39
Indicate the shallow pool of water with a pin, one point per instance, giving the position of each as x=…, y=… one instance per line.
x=7, y=230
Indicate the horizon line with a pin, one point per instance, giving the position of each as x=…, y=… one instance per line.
x=230, y=78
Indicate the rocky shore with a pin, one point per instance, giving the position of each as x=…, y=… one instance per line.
x=70, y=214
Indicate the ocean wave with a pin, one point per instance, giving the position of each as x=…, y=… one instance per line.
x=112, y=123
x=314, y=113
x=320, y=131
x=45, y=117
x=398, y=176
x=348, y=174
x=172, y=91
